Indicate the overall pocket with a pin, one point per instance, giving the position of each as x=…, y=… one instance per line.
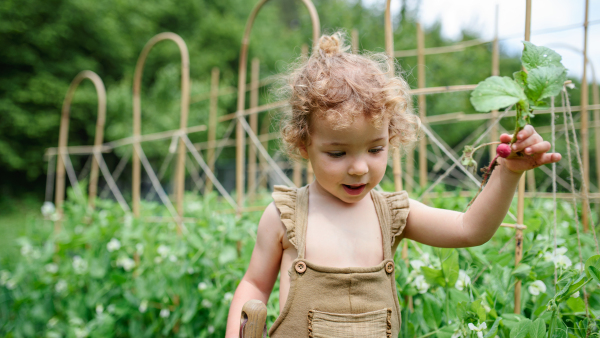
x=375, y=324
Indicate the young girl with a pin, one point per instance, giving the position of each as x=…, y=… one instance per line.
x=334, y=240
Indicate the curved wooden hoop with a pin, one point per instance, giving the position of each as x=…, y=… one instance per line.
x=137, y=118
x=241, y=98
x=64, y=135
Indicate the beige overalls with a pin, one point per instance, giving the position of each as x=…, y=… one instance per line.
x=340, y=302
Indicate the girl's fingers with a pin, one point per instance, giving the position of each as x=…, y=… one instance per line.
x=538, y=148
x=505, y=138
x=526, y=132
x=549, y=158
x=524, y=143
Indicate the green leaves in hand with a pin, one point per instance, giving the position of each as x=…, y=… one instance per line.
x=539, y=56
x=496, y=93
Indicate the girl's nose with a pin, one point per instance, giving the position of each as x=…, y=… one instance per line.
x=358, y=167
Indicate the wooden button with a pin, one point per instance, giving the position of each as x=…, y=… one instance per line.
x=389, y=267
x=300, y=267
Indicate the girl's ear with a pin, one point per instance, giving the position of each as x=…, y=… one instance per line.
x=303, y=151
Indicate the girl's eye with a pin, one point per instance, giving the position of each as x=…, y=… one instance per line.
x=376, y=150
x=336, y=154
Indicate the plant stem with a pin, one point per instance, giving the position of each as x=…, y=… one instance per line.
x=552, y=321
x=517, y=128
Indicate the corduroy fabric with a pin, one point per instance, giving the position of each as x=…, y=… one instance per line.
x=346, y=294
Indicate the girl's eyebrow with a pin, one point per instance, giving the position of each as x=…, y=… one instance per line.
x=345, y=144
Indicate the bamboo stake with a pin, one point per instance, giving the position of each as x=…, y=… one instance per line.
x=64, y=135
x=422, y=105
x=389, y=50
x=254, y=78
x=354, y=41
x=596, y=98
x=212, y=124
x=137, y=120
x=495, y=72
x=521, y=191
x=584, y=124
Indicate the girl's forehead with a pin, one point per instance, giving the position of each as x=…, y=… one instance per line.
x=359, y=130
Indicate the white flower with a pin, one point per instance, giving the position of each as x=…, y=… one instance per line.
x=143, y=306
x=202, y=286
x=417, y=264
x=48, y=209
x=4, y=277
x=537, y=287
x=113, y=245
x=173, y=258
x=561, y=251
x=575, y=295
x=55, y=217
x=111, y=308
x=164, y=313
x=562, y=261
x=128, y=220
x=457, y=333
x=487, y=308
x=421, y=284
x=60, y=286
x=139, y=248
x=206, y=303
x=79, y=265
x=75, y=321
x=211, y=329
x=163, y=251
x=26, y=249
x=11, y=284
x=99, y=309
x=157, y=260
x=479, y=328
x=126, y=263
x=81, y=332
x=52, y=322
x=190, y=271
x=463, y=280
x=51, y=268
x=579, y=266
x=228, y=296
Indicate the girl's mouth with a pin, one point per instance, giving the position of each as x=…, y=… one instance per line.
x=354, y=189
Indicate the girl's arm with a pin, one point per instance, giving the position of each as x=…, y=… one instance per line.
x=451, y=229
x=262, y=272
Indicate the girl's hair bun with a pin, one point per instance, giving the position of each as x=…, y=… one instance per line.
x=330, y=45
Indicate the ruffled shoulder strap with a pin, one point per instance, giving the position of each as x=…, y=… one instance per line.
x=285, y=199
x=398, y=205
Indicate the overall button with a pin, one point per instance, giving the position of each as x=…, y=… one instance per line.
x=300, y=267
x=389, y=267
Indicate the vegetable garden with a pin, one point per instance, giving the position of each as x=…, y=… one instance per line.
x=167, y=263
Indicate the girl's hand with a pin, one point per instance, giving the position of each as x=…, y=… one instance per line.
x=534, y=148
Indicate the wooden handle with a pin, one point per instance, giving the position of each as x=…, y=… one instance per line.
x=253, y=323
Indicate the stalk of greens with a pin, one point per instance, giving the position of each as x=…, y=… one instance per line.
x=543, y=77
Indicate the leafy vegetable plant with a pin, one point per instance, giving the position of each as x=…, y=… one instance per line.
x=542, y=77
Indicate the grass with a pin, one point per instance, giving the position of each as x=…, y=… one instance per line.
x=14, y=214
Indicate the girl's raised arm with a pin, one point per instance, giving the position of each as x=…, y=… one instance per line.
x=262, y=272
x=452, y=229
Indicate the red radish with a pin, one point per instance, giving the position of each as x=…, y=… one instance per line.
x=503, y=150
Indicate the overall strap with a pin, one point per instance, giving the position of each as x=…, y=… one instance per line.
x=385, y=222
x=301, y=220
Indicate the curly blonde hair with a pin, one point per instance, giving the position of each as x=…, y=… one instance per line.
x=338, y=86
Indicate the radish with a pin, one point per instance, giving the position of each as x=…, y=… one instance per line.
x=503, y=150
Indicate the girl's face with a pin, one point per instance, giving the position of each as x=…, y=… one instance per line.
x=348, y=162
